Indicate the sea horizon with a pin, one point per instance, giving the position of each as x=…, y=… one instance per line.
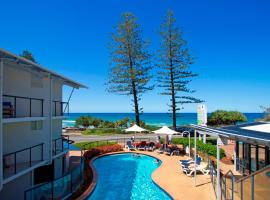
x=150, y=118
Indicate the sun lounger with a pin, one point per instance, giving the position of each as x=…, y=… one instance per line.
x=186, y=164
x=200, y=168
x=151, y=146
x=129, y=146
x=142, y=146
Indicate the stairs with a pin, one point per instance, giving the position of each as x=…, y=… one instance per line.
x=254, y=186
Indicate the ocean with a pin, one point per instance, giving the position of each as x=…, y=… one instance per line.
x=156, y=119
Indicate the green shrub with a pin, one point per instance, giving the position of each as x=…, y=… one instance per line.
x=103, y=131
x=208, y=148
x=222, y=117
x=90, y=145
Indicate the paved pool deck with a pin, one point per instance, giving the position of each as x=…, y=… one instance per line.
x=181, y=187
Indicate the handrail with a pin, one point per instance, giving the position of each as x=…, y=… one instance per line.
x=253, y=174
x=62, y=139
x=21, y=97
x=22, y=160
x=52, y=183
x=61, y=108
x=23, y=149
x=13, y=112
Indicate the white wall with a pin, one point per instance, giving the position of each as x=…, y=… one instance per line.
x=14, y=190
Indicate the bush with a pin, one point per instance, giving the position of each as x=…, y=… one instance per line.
x=84, y=121
x=222, y=117
x=88, y=155
x=207, y=148
x=90, y=145
x=101, y=131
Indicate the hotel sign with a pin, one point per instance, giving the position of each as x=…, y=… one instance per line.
x=201, y=115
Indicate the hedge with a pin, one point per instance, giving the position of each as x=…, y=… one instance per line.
x=207, y=148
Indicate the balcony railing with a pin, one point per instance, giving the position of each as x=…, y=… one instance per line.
x=18, y=161
x=61, y=188
x=60, y=108
x=18, y=106
x=58, y=145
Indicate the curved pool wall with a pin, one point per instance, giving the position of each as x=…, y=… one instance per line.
x=126, y=176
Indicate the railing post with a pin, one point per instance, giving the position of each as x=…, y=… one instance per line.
x=55, y=147
x=52, y=190
x=42, y=108
x=71, y=182
x=241, y=189
x=42, y=151
x=232, y=187
x=15, y=107
x=55, y=108
x=252, y=187
x=225, y=191
x=15, y=162
x=30, y=107
x=30, y=156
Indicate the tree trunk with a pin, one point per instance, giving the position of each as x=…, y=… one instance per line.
x=136, y=105
x=172, y=81
x=133, y=78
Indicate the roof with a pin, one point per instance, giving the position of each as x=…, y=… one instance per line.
x=256, y=132
x=20, y=60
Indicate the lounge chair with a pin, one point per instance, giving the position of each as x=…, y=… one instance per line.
x=130, y=146
x=151, y=146
x=201, y=168
x=142, y=146
x=161, y=149
x=187, y=164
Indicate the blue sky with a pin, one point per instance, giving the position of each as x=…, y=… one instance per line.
x=229, y=40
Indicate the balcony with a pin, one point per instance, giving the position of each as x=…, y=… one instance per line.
x=21, y=160
x=18, y=108
x=60, y=108
x=60, y=145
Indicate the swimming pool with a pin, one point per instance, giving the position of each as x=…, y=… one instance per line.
x=126, y=176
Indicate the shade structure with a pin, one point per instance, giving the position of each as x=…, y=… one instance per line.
x=165, y=130
x=135, y=128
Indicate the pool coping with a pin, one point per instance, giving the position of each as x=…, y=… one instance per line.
x=93, y=184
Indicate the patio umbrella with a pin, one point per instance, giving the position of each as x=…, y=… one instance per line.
x=135, y=128
x=165, y=130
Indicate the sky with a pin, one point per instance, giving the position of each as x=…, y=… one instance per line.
x=229, y=40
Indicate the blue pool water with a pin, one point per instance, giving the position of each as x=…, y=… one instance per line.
x=126, y=176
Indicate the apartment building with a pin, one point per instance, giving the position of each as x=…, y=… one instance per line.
x=32, y=148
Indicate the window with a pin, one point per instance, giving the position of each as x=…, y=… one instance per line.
x=36, y=125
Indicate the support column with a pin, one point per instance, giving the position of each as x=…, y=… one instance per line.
x=189, y=143
x=236, y=155
x=218, y=189
x=204, y=138
x=195, y=155
x=1, y=122
x=50, y=118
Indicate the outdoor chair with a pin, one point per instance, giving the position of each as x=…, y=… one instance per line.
x=200, y=168
x=151, y=146
x=187, y=164
x=8, y=110
x=142, y=146
x=130, y=146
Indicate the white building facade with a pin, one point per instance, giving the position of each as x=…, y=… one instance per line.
x=32, y=148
